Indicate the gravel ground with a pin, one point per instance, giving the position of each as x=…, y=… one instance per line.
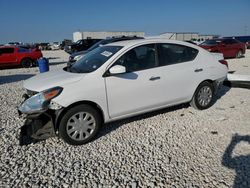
x=174, y=147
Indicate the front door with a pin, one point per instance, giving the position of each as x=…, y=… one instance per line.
x=228, y=48
x=7, y=56
x=138, y=89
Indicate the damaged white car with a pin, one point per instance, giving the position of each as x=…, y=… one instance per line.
x=116, y=81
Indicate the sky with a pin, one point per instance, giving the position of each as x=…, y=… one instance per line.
x=55, y=20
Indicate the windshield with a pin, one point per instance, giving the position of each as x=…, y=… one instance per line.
x=79, y=42
x=211, y=42
x=94, y=59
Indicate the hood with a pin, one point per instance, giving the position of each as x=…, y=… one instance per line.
x=51, y=79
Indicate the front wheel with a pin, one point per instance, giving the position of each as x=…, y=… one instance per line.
x=203, y=96
x=79, y=125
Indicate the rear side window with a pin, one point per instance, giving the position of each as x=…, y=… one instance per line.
x=227, y=41
x=210, y=42
x=23, y=50
x=7, y=50
x=173, y=53
x=233, y=41
x=230, y=41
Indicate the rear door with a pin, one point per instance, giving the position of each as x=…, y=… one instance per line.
x=229, y=48
x=140, y=88
x=7, y=56
x=236, y=47
x=181, y=72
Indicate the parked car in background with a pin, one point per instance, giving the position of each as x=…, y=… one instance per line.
x=116, y=81
x=81, y=45
x=76, y=56
x=243, y=39
x=228, y=47
x=15, y=55
x=65, y=42
x=191, y=42
x=13, y=43
x=43, y=46
x=54, y=46
x=199, y=41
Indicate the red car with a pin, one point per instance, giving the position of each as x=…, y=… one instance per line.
x=14, y=55
x=228, y=47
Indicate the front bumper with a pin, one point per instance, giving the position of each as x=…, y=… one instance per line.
x=37, y=126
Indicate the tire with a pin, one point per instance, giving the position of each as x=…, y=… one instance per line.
x=80, y=125
x=203, y=96
x=239, y=54
x=26, y=63
x=34, y=64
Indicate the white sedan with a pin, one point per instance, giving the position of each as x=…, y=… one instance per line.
x=120, y=80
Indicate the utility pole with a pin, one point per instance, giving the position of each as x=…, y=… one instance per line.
x=245, y=29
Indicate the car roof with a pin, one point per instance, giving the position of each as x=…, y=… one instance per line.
x=222, y=39
x=8, y=46
x=151, y=40
x=216, y=39
x=121, y=38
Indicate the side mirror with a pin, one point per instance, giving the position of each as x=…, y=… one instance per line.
x=117, y=69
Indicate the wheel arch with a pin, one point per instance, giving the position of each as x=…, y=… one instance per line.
x=25, y=57
x=207, y=80
x=193, y=99
x=239, y=50
x=86, y=102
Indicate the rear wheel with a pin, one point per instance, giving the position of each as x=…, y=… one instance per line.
x=80, y=125
x=239, y=54
x=34, y=64
x=26, y=63
x=203, y=96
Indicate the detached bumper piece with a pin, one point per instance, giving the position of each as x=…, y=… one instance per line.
x=237, y=80
x=36, y=129
x=237, y=84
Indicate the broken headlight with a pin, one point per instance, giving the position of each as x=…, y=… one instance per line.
x=40, y=101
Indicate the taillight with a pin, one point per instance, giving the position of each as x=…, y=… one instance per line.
x=224, y=62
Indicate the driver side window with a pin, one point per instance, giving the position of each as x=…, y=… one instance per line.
x=139, y=58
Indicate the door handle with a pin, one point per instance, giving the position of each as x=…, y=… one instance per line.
x=198, y=70
x=153, y=78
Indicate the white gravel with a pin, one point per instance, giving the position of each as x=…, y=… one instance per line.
x=175, y=147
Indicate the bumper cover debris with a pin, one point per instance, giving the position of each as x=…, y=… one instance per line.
x=36, y=129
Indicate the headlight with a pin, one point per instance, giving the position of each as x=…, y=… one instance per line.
x=39, y=102
x=78, y=57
